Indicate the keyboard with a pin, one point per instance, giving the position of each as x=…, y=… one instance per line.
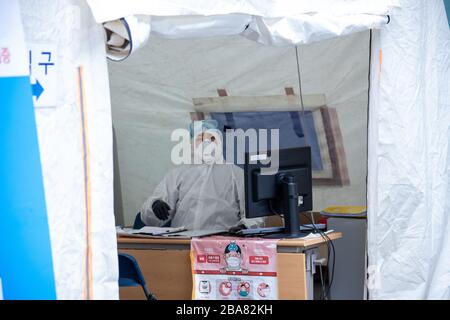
x=257, y=231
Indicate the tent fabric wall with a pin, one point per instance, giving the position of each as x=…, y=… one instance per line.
x=270, y=22
x=79, y=41
x=105, y=10
x=309, y=28
x=409, y=156
x=152, y=94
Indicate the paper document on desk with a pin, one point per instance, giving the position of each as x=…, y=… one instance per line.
x=313, y=235
x=147, y=231
x=188, y=234
x=158, y=231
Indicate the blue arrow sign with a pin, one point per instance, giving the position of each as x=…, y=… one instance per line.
x=37, y=89
x=26, y=267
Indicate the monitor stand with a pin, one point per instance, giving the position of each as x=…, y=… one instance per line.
x=290, y=204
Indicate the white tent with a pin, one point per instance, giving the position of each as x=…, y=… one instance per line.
x=84, y=251
x=247, y=47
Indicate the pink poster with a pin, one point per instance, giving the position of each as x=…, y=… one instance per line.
x=225, y=268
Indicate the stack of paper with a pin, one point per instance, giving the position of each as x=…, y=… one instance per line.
x=147, y=231
x=158, y=232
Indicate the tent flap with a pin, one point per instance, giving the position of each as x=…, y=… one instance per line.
x=270, y=22
x=106, y=10
x=75, y=147
x=309, y=28
x=409, y=156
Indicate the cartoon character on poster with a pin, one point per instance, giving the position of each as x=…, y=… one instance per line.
x=233, y=258
x=244, y=289
x=263, y=290
x=225, y=288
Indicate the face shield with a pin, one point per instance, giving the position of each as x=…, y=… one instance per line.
x=206, y=142
x=207, y=147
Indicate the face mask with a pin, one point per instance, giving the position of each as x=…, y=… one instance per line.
x=207, y=151
x=234, y=262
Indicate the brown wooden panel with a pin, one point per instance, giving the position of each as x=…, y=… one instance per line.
x=291, y=276
x=168, y=243
x=167, y=273
x=289, y=91
x=335, y=149
x=222, y=92
x=131, y=293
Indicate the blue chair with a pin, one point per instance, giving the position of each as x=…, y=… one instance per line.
x=138, y=222
x=130, y=275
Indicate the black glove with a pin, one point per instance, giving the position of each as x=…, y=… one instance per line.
x=160, y=209
x=237, y=228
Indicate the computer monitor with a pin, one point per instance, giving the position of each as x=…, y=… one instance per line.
x=286, y=192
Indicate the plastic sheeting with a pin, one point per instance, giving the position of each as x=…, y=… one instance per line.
x=179, y=27
x=268, y=22
x=409, y=156
x=105, y=10
x=308, y=28
x=301, y=29
x=69, y=27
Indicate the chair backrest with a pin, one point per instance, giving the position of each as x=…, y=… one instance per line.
x=138, y=222
x=129, y=269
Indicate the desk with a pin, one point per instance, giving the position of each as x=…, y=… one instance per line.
x=166, y=266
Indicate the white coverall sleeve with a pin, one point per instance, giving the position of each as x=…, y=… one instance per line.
x=239, y=180
x=167, y=190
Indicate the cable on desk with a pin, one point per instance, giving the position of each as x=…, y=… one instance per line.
x=330, y=248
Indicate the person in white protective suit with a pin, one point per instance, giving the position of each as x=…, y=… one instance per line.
x=204, y=196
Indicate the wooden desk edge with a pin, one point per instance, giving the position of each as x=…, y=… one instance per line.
x=282, y=243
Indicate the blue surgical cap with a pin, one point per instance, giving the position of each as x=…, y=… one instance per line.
x=232, y=246
x=197, y=127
